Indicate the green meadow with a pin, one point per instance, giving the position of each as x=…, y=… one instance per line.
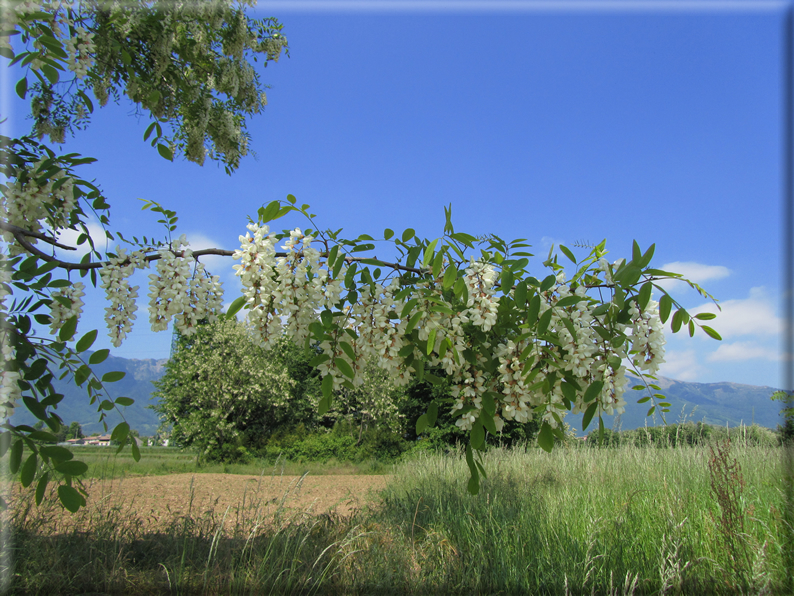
x=709, y=519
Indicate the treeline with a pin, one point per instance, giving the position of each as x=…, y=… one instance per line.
x=226, y=397
x=688, y=434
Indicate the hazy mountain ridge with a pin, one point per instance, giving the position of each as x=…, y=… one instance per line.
x=712, y=403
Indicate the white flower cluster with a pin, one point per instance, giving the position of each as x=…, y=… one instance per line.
x=28, y=204
x=648, y=339
x=9, y=388
x=80, y=50
x=121, y=312
x=205, y=300
x=482, y=304
x=174, y=293
x=60, y=312
x=284, y=293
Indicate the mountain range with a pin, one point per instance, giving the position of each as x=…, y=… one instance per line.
x=712, y=403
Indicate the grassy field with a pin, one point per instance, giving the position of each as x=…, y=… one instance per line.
x=613, y=521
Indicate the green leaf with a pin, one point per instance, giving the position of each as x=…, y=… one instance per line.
x=68, y=329
x=149, y=129
x=544, y=321
x=521, y=294
x=646, y=258
x=41, y=487
x=705, y=316
x=636, y=253
x=348, y=349
x=678, y=319
x=507, y=279
x=327, y=386
x=651, y=411
x=477, y=435
x=318, y=360
x=15, y=456
x=154, y=97
x=113, y=376
x=120, y=433
x=432, y=414
x=22, y=87
x=588, y=415
x=344, y=368
x=408, y=234
x=450, y=275
x=387, y=234
x=28, y=472
x=124, y=401
x=421, y=424
x=86, y=341
x=98, y=357
x=534, y=309
x=547, y=282
x=592, y=391
x=51, y=73
x=568, y=254
x=413, y=321
x=569, y=301
x=488, y=423
x=72, y=468
x=710, y=332
x=43, y=435
x=429, y=252
x=665, y=306
x=431, y=340
x=645, y=295
x=136, y=452
x=438, y=263
x=235, y=307
x=165, y=152
x=546, y=437
x=70, y=498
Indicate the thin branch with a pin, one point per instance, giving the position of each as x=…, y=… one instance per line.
x=19, y=235
x=4, y=225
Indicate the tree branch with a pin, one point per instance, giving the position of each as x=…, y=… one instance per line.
x=20, y=234
x=4, y=225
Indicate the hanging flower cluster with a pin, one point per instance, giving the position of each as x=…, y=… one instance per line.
x=81, y=51
x=121, y=312
x=66, y=303
x=27, y=204
x=175, y=293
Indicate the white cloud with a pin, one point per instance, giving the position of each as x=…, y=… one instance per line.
x=751, y=316
x=69, y=238
x=214, y=263
x=696, y=272
x=682, y=366
x=743, y=350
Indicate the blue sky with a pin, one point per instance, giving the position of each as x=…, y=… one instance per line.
x=660, y=124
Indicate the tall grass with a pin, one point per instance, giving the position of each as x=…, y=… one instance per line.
x=624, y=520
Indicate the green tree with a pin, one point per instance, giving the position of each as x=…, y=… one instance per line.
x=226, y=396
x=222, y=394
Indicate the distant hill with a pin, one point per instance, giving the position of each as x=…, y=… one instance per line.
x=712, y=403
x=137, y=384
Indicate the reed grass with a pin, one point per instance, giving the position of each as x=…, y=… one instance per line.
x=624, y=520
